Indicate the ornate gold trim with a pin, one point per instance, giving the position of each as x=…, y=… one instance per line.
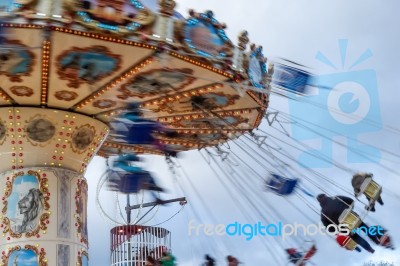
x=42, y=260
x=26, y=93
x=107, y=103
x=259, y=98
x=65, y=95
x=80, y=255
x=41, y=254
x=4, y=257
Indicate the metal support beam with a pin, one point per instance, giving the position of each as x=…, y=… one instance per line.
x=155, y=203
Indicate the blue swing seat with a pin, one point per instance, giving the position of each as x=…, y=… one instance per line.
x=138, y=133
x=126, y=182
x=131, y=157
x=281, y=185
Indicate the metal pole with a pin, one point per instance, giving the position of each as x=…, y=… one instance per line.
x=144, y=215
x=128, y=218
x=155, y=203
x=128, y=209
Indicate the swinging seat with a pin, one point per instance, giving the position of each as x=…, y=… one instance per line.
x=307, y=256
x=139, y=132
x=300, y=258
x=346, y=242
x=281, y=185
x=132, y=182
x=371, y=189
x=350, y=219
x=385, y=241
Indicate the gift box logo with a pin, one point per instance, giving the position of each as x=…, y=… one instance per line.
x=348, y=109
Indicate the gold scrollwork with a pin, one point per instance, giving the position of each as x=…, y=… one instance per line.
x=5, y=207
x=80, y=255
x=4, y=257
x=39, y=254
x=7, y=229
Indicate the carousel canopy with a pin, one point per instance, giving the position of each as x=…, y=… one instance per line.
x=94, y=57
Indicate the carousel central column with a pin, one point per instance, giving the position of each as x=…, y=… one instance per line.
x=44, y=154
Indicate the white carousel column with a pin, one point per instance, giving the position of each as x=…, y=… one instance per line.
x=164, y=28
x=44, y=202
x=238, y=59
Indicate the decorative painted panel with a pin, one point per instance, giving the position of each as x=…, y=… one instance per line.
x=26, y=204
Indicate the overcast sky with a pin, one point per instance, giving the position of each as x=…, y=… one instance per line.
x=296, y=30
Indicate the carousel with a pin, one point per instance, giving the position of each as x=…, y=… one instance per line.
x=68, y=68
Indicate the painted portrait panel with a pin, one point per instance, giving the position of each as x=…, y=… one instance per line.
x=201, y=103
x=6, y=5
x=16, y=62
x=25, y=257
x=175, y=147
x=211, y=122
x=204, y=39
x=157, y=82
x=87, y=65
x=255, y=70
x=25, y=204
x=82, y=138
x=40, y=130
x=109, y=12
x=119, y=16
x=208, y=137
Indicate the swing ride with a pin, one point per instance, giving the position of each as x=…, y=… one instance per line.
x=130, y=79
x=299, y=258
